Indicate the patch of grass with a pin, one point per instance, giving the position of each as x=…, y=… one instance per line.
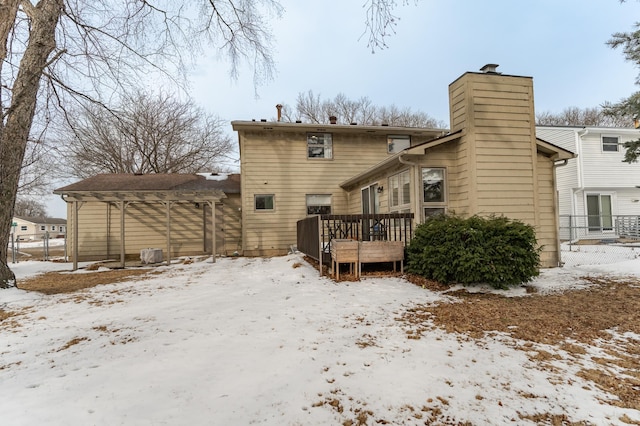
x=64, y=282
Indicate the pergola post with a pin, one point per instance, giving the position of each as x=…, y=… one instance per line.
x=168, y=205
x=213, y=231
x=75, y=235
x=122, y=245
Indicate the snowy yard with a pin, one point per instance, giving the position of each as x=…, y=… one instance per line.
x=267, y=341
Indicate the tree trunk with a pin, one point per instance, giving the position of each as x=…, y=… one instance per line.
x=19, y=115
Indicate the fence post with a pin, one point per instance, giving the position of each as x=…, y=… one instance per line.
x=45, y=245
x=321, y=243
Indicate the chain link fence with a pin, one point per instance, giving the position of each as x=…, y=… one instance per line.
x=599, y=239
x=47, y=246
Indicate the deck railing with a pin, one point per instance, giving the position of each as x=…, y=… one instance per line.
x=576, y=227
x=315, y=233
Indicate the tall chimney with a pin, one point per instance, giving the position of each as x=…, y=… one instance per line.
x=279, y=108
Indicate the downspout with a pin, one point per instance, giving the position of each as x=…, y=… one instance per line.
x=556, y=203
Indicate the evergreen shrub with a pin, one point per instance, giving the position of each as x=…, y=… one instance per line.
x=496, y=250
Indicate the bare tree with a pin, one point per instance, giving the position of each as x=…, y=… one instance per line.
x=311, y=108
x=149, y=134
x=574, y=116
x=29, y=207
x=56, y=52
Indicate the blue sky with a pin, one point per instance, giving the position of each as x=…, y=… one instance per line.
x=318, y=47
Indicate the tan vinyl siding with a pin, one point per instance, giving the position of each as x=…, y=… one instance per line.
x=277, y=163
x=230, y=219
x=501, y=145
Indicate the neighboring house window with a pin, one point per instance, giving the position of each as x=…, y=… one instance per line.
x=319, y=145
x=53, y=227
x=43, y=227
x=599, y=212
x=398, y=143
x=610, y=143
x=264, y=202
x=23, y=228
x=433, y=191
x=319, y=204
x=399, y=191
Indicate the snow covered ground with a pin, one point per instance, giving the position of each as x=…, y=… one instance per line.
x=267, y=341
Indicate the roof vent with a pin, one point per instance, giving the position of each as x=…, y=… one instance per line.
x=490, y=69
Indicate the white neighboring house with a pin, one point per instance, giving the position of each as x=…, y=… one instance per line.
x=598, y=193
x=35, y=228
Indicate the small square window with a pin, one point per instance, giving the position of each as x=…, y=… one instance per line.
x=398, y=143
x=42, y=227
x=610, y=143
x=23, y=227
x=319, y=204
x=264, y=202
x=319, y=145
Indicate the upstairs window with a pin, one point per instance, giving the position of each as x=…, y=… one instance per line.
x=319, y=145
x=610, y=143
x=42, y=227
x=23, y=227
x=319, y=204
x=398, y=143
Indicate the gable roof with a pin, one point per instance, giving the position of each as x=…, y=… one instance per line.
x=554, y=151
x=118, y=182
x=152, y=187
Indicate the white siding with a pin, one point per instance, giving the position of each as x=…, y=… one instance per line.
x=594, y=170
x=606, y=169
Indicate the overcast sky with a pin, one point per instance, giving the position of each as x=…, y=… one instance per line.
x=318, y=47
x=560, y=43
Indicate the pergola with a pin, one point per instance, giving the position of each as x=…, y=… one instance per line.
x=121, y=190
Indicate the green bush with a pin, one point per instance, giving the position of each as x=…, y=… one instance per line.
x=495, y=250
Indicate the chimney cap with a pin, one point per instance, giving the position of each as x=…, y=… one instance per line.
x=490, y=69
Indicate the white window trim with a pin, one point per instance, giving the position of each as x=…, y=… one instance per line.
x=324, y=146
x=614, y=201
x=399, y=137
x=602, y=143
x=402, y=205
x=434, y=204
